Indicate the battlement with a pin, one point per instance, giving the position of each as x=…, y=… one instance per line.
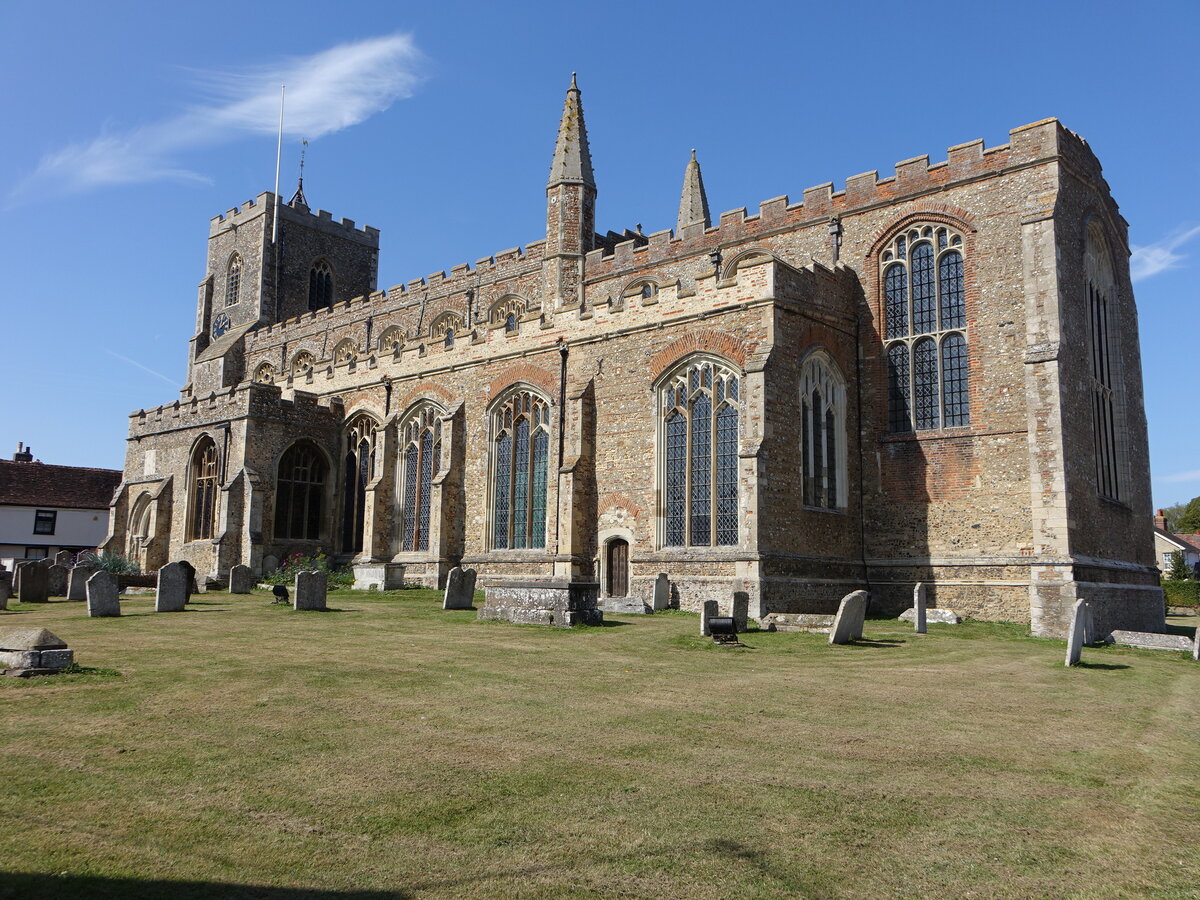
x=1028, y=145
x=247, y=398
x=322, y=220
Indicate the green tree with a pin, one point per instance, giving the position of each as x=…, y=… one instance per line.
x=1189, y=522
x=1178, y=570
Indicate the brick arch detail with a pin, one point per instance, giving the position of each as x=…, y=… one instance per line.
x=693, y=341
x=540, y=378
x=936, y=213
x=618, y=500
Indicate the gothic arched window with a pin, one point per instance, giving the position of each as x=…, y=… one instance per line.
x=357, y=466
x=698, y=405
x=233, y=280
x=300, y=493
x=1108, y=408
x=420, y=460
x=320, y=285
x=822, y=433
x=521, y=450
x=203, y=493
x=925, y=317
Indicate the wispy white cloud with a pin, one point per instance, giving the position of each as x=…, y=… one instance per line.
x=1193, y=475
x=134, y=362
x=1151, y=259
x=326, y=92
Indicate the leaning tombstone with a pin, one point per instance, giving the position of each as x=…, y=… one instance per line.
x=173, y=583
x=460, y=589
x=310, y=590
x=662, y=592
x=56, y=580
x=848, y=623
x=103, y=595
x=919, y=608
x=1080, y=628
x=708, y=610
x=64, y=558
x=35, y=583
x=18, y=568
x=241, y=580
x=5, y=588
x=77, y=580
x=741, y=610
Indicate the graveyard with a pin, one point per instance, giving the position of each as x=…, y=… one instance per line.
x=386, y=747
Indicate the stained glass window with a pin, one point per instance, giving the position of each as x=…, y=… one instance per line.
x=522, y=457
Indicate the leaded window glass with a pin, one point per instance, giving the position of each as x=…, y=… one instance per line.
x=204, y=490
x=320, y=285
x=233, y=281
x=522, y=441
x=924, y=311
x=421, y=449
x=700, y=441
x=300, y=494
x=822, y=433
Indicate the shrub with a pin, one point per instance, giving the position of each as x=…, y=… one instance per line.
x=1178, y=570
x=339, y=576
x=1182, y=593
x=108, y=561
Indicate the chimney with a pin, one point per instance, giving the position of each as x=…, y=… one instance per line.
x=23, y=454
x=1160, y=521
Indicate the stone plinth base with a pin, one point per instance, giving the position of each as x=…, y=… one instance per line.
x=558, y=603
x=378, y=576
x=627, y=606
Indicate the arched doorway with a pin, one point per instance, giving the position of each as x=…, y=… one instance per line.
x=616, y=568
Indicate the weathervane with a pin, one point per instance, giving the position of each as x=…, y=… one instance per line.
x=298, y=198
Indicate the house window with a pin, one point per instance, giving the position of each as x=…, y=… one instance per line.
x=37, y=552
x=233, y=280
x=521, y=449
x=320, y=285
x=44, y=521
x=300, y=494
x=924, y=311
x=204, y=490
x=822, y=433
x=420, y=461
x=699, y=421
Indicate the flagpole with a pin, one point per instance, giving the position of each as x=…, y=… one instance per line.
x=278, y=155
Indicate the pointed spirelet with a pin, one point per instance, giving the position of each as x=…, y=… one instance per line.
x=572, y=157
x=693, y=204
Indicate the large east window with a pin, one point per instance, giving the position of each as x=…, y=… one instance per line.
x=698, y=403
x=420, y=460
x=300, y=493
x=925, y=320
x=520, y=454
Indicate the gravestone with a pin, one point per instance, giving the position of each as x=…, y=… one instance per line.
x=741, y=610
x=919, y=608
x=241, y=580
x=64, y=558
x=56, y=580
x=103, y=596
x=460, y=589
x=848, y=623
x=174, y=581
x=77, y=582
x=708, y=609
x=310, y=590
x=35, y=583
x=1196, y=644
x=18, y=567
x=1080, y=631
x=662, y=592
x=33, y=651
x=934, y=616
x=5, y=588
x=1149, y=640
x=192, y=586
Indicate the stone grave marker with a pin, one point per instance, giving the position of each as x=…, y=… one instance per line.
x=1196, y=644
x=18, y=567
x=77, y=582
x=741, y=610
x=919, y=608
x=33, y=651
x=1080, y=630
x=848, y=623
x=64, y=558
x=103, y=595
x=241, y=580
x=935, y=615
x=174, y=582
x=35, y=583
x=310, y=590
x=56, y=580
x=662, y=593
x=708, y=609
x=1149, y=640
x=460, y=589
x=5, y=588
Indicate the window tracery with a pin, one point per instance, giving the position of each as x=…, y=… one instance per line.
x=344, y=352
x=203, y=490
x=357, y=470
x=300, y=493
x=420, y=461
x=822, y=433
x=392, y=340
x=265, y=374
x=302, y=364
x=320, y=285
x=233, y=280
x=521, y=450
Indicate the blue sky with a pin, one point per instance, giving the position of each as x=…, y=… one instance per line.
x=130, y=124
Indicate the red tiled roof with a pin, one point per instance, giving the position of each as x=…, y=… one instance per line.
x=1192, y=540
x=67, y=487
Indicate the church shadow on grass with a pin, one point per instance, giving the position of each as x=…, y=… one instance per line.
x=22, y=885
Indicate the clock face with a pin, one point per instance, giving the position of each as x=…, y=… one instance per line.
x=221, y=324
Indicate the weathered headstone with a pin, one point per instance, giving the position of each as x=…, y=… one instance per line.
x=77, y=582
x=241, y=580
x=919, y=607
x=708, y=609
x=192, y=586
x=33, y=651
x=56, y=580
x=310, y=590
x=933, y=616
x=18, y=567
x=662, y=592
x=741, y=610
x=460, y=589
x=1077, y=635
x=848, y=623
x=103, y=596
x=64, y=558
x=174, y=582
x=35, y=583
x=1196, y=644
x=5, y=588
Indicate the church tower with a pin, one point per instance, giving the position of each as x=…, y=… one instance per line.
x=570, y=207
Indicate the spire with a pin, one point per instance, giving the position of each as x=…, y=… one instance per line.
x=572, y=158
x=693, y=204
x=298, y=200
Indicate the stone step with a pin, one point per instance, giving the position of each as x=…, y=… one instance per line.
x=1149, y=640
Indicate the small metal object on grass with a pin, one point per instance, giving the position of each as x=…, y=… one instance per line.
x=281, y=594
x=724, y=630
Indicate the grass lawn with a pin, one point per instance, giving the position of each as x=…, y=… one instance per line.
x=389, y=749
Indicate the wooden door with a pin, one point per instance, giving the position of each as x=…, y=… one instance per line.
x=618, y=568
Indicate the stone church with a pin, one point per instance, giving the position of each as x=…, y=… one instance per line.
x=932, y=376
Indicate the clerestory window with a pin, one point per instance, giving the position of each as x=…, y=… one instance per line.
x=925, y=322
x=520, y=455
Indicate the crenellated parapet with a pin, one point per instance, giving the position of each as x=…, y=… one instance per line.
x=321, y=220
x=248, y=399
